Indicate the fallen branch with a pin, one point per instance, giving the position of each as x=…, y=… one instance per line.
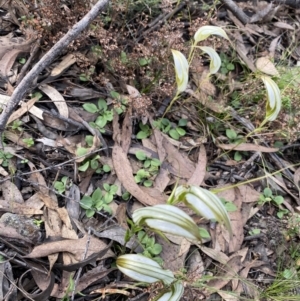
x=238, y=12
x=46, y=60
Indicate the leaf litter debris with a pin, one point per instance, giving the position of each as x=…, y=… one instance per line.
x=121, y=66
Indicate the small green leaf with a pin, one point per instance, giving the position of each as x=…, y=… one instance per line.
x=126, y=196
x=150, y=242
x=267, y=192
x=108, y=197
x=89, y=140
x=181, y=131
x=142, y=173
x=84, y=167
x=204, y=233
x=156, y=249
x=90, y=212
x=106, y=187
x=94, y=164
x=231, y=134
x=230, y=67
x=8, y=155
x=22, y=60
x=124, y=59
x=102, y=105
x=182, y=122
x=165, y=121
x=144, y=127
x=137, y=179
x=114, y=189
x=155, y=162
x=97, y=195
x=142, y=237
x=141, y=155
x=101, y=121
x=255, y=231
x=106, y=168
x=147, y=163
x=230, y=207
x=282, y=212
x=86, y=202
x=109, y=115
x=90, y=107
x=237, y=156
x=142, y=135
x=81, y=151
x=59, y=186
x=174, y=134
x=148, y=183
x=144, y=61
x=107, y=209
x=115, y=95
x=278, y=200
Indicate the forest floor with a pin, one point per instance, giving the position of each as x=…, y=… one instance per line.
x=105, y=130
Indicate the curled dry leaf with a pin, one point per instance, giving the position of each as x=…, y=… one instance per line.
x=264, y=65
x=57, y=98
x=11, y=193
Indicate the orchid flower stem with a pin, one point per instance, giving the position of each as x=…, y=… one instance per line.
x=171, y=103
x=192, y=53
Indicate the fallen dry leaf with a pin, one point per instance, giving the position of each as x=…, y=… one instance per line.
x=200, y=171
x=57, y=99
x=214, y=254
x=264, y=65
x=11, y=193
x=23, y=209
x=229, y=272
x=74, y=246
x=65, y=63
x=25, y=107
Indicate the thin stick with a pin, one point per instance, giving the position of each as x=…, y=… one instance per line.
x=46, y=60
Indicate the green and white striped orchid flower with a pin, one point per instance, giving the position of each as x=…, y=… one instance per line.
x=167, y=219
x=203, y=202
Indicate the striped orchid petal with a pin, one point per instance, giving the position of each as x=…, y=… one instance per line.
x=205, y=31
x=215, y=61
x=181, y=70
x=273, y=106
x=167, y=219
x=143, y=269
x=203, y=202
x=175, y=293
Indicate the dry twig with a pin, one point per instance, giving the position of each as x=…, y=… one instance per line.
x=46, y=60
